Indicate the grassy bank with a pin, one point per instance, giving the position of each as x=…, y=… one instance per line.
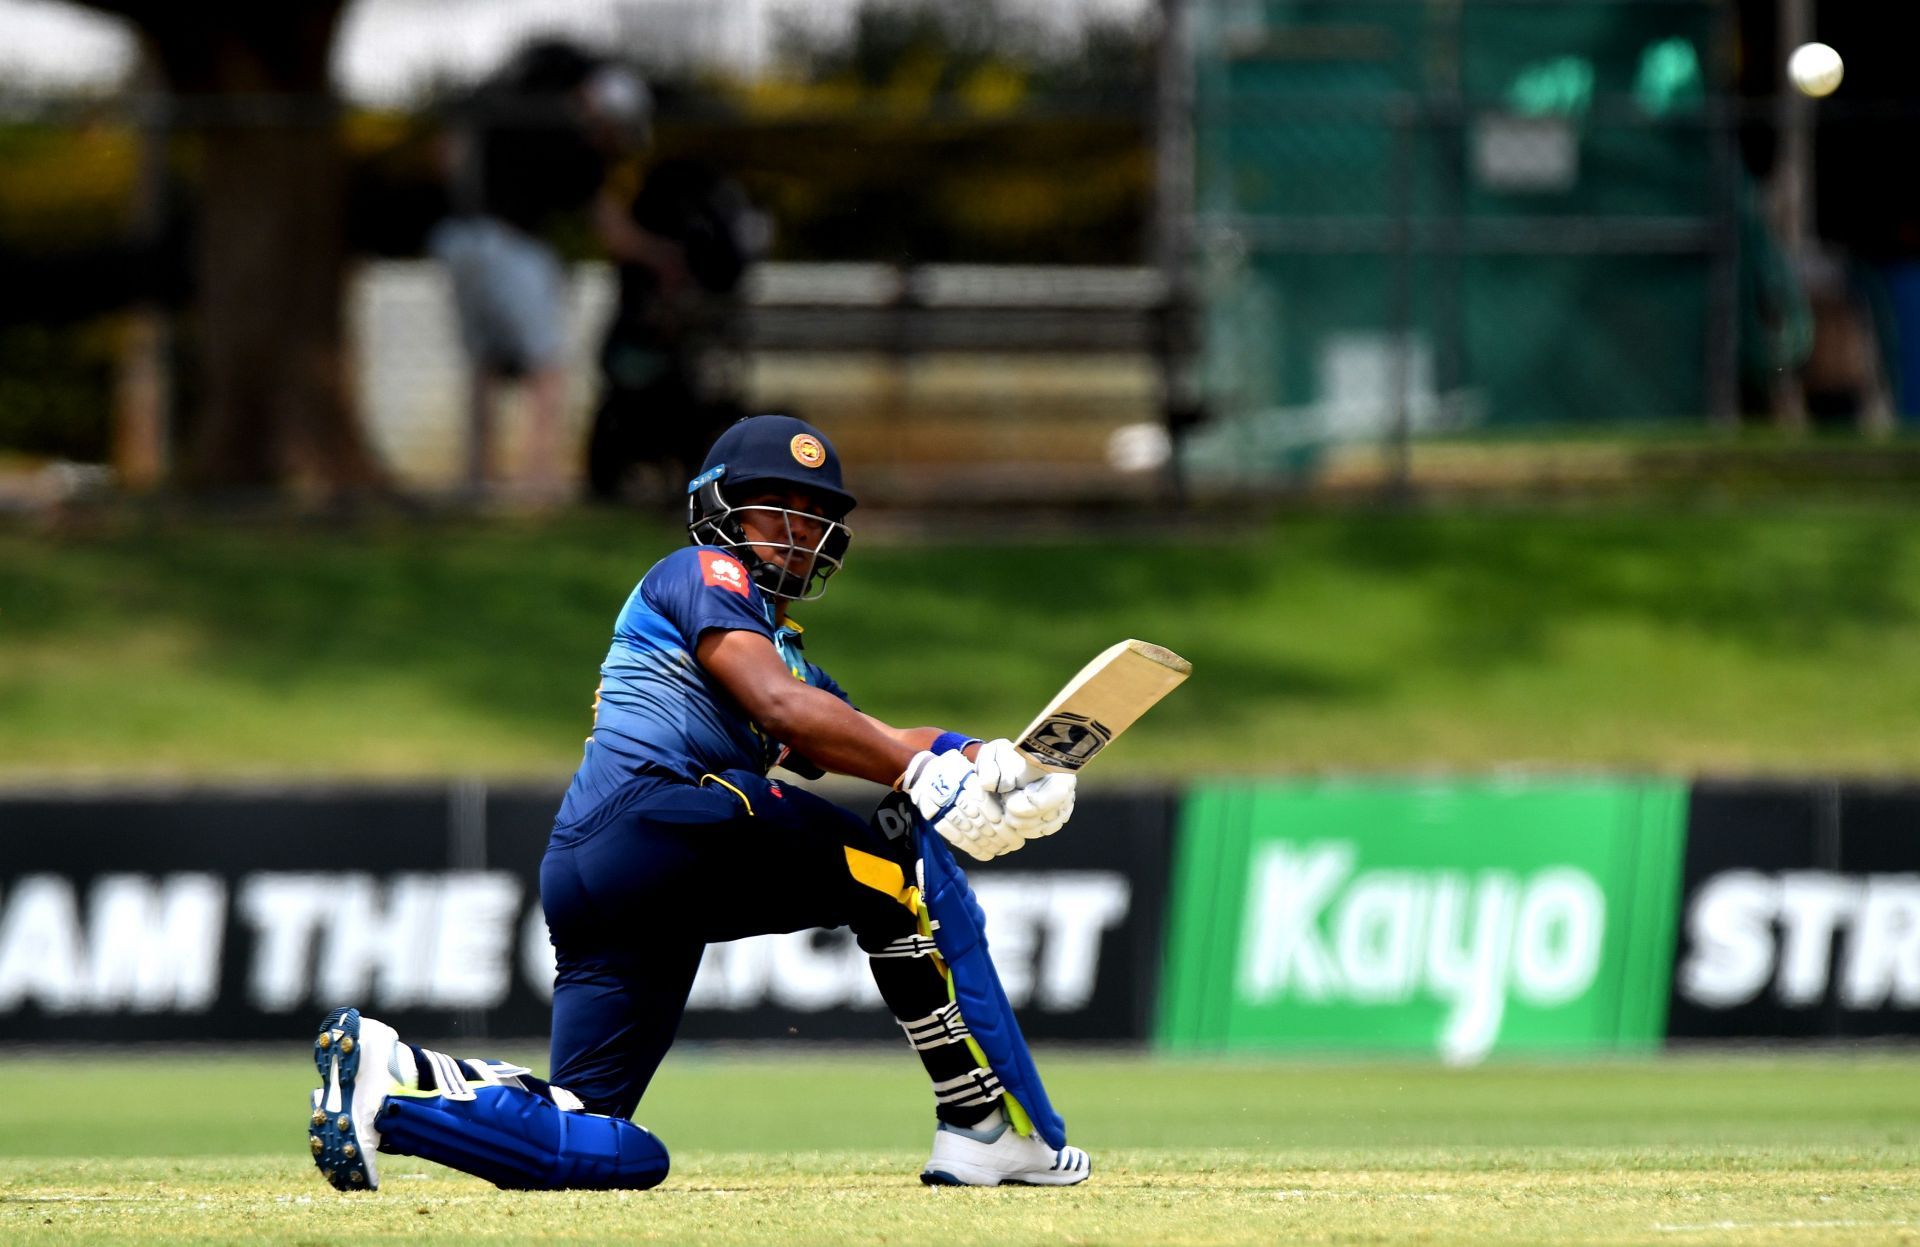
x=1688, y=640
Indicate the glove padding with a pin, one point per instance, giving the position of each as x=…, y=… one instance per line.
x=946, y=790
x=1003, y=768
x=1041, y=807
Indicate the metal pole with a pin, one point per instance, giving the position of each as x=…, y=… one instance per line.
x=467, y=851
x=1450, y=141
x=1791, y=185
x=1400, y=302
x=1173, y=229
x=1723, y=276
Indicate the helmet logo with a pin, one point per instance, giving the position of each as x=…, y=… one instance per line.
x=807, y=450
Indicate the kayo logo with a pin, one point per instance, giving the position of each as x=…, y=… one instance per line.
x=1747, y=931
x=1317, y=933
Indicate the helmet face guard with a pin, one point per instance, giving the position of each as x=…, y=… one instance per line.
x=713, y=521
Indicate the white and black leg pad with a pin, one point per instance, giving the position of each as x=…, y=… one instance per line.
x=520, y=1140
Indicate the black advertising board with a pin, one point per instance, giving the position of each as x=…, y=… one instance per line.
x=196, y=914
x=1074, y=922
x=1800, y=913
x=1876, y=985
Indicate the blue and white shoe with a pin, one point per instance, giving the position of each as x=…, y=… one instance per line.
x=994, y=1154
x=355, y=1059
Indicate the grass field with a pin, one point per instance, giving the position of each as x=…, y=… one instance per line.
x=1670, y=639
x=807, y=1148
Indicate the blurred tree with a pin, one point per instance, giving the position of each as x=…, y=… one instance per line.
x=253, y=84
x=923, y=131
x=930, y=49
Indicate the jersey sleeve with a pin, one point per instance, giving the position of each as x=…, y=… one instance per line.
x=700, y=588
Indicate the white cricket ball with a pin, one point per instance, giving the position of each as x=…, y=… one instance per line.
x=1815, y=69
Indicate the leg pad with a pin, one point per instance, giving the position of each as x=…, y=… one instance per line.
x=521, y=1141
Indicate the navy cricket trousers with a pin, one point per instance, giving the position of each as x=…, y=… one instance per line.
x=633, y=896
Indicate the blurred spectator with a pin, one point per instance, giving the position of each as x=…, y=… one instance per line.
x=533, y=145
x=1848, y=370
x=682, y=241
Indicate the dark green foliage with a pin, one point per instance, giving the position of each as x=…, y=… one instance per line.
x=56, y=388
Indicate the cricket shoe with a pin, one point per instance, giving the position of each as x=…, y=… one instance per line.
x=997, y=1155
x=355, y=1057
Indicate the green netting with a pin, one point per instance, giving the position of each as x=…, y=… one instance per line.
x=1503, y=209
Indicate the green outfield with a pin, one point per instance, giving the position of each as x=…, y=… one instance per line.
x=801, y=1147
x=1673, y=639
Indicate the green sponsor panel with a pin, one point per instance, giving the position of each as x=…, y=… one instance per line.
x=1460, y=919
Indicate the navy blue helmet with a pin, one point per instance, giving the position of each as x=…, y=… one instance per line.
x=772, y=452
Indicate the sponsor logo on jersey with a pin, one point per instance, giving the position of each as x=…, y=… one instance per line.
x=723, y=571
x=807, y=450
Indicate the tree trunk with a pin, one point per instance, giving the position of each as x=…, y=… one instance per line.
x=272, y=273
x=274, y=405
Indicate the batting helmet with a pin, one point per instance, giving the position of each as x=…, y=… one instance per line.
x=771, y=451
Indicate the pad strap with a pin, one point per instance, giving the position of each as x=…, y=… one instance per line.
x=908, y=946
x=449, y=1076
x=976, y=1088
x=938, y=1029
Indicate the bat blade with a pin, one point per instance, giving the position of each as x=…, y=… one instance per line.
x=1102, y=701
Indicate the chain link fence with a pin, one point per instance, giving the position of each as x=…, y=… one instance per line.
x=1508, y=218
x=1415, y=219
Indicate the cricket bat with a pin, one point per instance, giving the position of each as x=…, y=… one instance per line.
x=1110, y=692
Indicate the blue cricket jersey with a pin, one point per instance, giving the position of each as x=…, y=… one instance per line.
x=658, y=713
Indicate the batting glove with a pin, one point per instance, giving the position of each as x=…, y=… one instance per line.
x=1003, y=769
x=1042, y=807
x=946, y=790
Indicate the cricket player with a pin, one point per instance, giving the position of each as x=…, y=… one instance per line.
x=673, y=836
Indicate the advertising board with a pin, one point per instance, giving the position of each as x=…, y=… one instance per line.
x=198, y=914
x=1801, y=913
x=1457, y=918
